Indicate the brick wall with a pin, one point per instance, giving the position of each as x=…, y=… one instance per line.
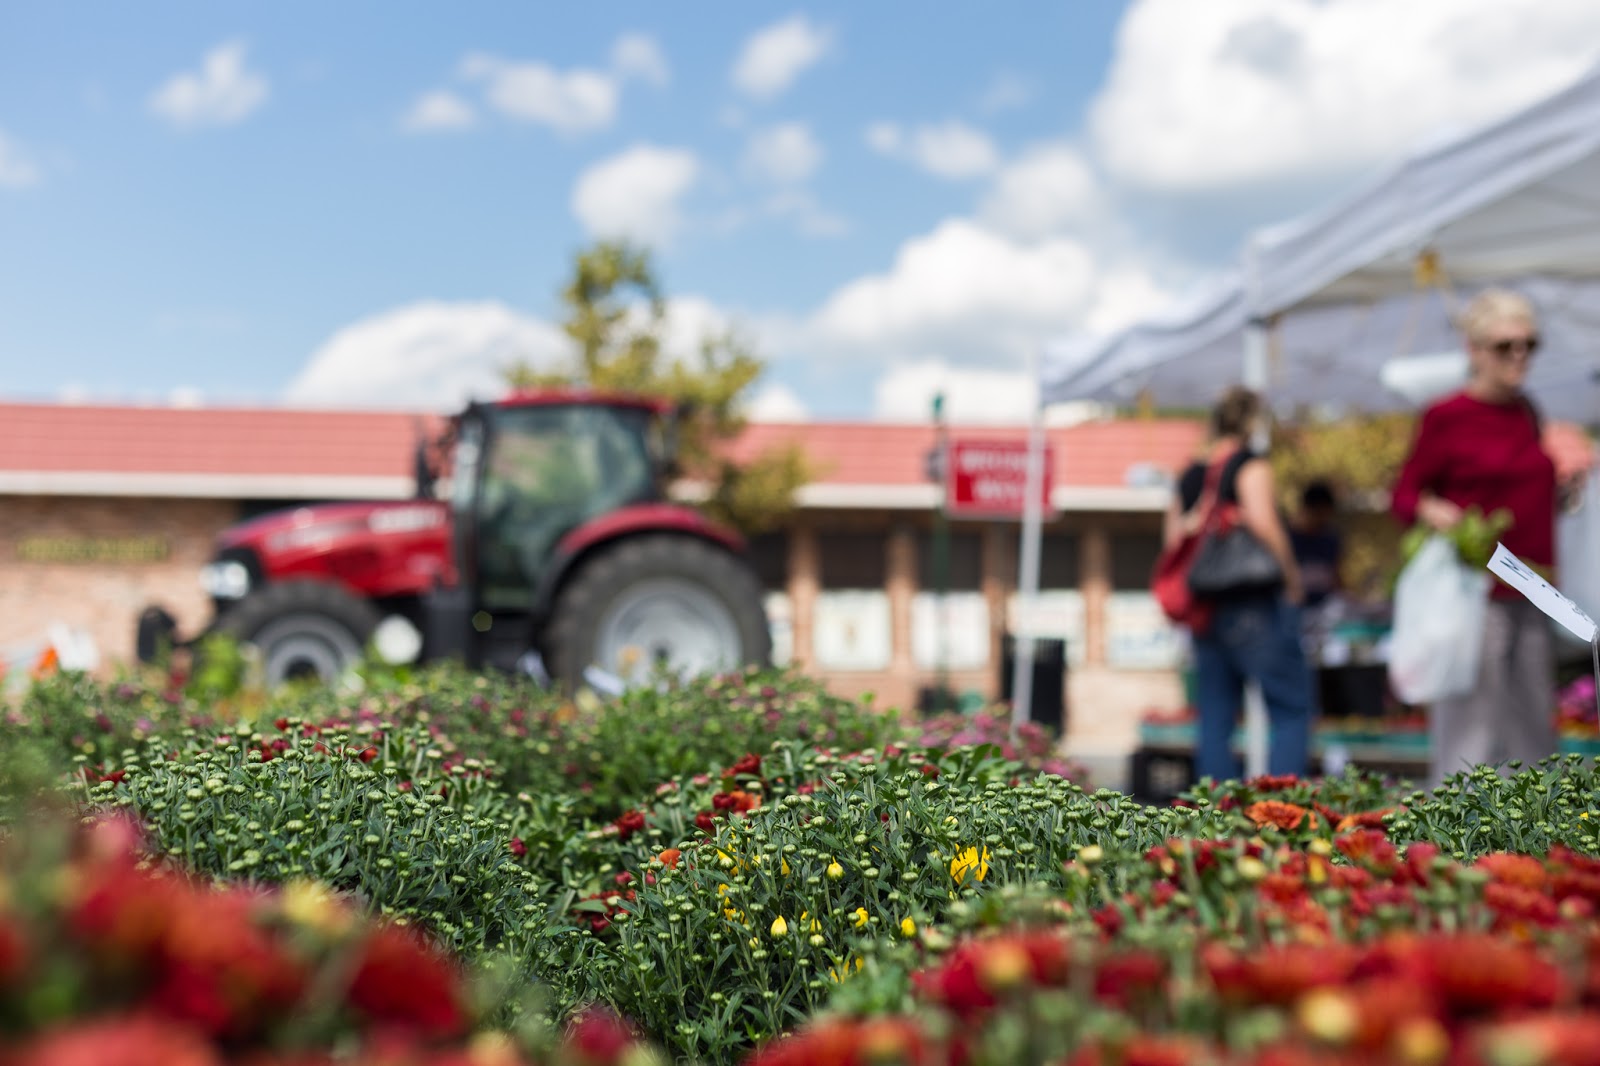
x=103, y=598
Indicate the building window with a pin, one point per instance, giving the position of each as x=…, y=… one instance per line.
x=851, y=624
x=1059, y=558
x=966, y=562
x=1138, y=635
x=853, y=560
x=1133, y=560
x=950, y=630
x=769, y=556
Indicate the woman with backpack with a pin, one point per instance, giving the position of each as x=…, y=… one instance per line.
x=1247, y=623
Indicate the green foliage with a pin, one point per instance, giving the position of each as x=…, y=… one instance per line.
x=615, y=312
x=1529, y=810
x=1474, y=537
x=873, y=843
x=1361, y=456
x=316, y=809
x=640, y=853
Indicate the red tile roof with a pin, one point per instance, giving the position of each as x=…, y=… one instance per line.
x=164, y=440
x=282, y=442
x=1092, y=455
x=45, y=438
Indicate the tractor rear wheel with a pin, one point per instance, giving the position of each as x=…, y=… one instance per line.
x=303, y=629
x=659, y=601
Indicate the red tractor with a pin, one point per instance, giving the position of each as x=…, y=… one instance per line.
x=555, y=537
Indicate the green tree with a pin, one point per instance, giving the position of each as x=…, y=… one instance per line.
x=1361, y=457
x=615, y=314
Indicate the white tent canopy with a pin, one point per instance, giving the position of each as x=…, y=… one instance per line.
x=1516, y=204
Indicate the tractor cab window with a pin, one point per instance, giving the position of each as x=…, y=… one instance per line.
x=548, y=470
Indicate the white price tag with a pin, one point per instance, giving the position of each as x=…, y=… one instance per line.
x=1542, y=594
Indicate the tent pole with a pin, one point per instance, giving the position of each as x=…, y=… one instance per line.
x=1255, y=378
x=1028, y=570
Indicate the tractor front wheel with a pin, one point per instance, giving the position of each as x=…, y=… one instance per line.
x=303, y=629
x=656, y=602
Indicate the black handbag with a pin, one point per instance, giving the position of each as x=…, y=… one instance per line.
x=1232, y=560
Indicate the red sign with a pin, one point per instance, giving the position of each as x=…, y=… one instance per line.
x=991, y=478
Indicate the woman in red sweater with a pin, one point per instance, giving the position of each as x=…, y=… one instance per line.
x=1482, y=448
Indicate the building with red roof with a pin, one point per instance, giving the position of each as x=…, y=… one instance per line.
x=109, y=508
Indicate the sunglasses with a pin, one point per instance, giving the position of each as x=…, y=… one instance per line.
x=1518, y=346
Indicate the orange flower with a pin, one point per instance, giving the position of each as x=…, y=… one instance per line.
x=1523, y=871
x=1283, y=815
x=670, y=857
x=1364, y=820
x=1370, y=848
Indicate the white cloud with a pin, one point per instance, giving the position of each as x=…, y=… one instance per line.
x=17, y=168
x=222, y=92
x=905, y=392
x=441, y=110
x=777, y=403
x=1007, y=91
x=429, y=355
x=786, y=154
x=1233, y=91
x=774, y=57
x=809, y=217
x=950, y=149
x=571, y=101
x=961, y=292
x=637, y=55
x=1049, y=188
x=636, y=194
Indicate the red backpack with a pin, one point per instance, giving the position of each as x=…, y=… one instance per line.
x=1170, y=582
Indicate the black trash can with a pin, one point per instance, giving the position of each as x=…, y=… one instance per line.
x=1049, y=703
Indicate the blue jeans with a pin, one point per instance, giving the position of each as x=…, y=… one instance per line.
x=1257, y=640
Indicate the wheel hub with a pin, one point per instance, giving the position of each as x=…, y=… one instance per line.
x=666, y=624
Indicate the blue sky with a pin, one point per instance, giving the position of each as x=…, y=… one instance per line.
x=370, y=203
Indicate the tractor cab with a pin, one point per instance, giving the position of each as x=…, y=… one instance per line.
x=531, y=469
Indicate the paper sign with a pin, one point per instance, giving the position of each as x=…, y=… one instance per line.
x=1542, y=594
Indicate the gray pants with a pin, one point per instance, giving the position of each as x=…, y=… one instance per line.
x=1510, y=714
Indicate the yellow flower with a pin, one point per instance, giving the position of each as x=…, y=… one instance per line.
x=835, y=871
x=1091, y=854
x=1328, y=1015
x=860, y=917
x=970, y=860
x=848, y=969
x=783, y=866
x=908, y=928
x=314, y=906
x=492, y=1049
x=1252, y=869
x=816, y=926
x=780, y=928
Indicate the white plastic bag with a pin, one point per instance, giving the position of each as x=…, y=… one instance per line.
x=1439, y=608
x=1578, y=552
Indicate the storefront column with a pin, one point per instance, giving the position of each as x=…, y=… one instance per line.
x=999, y=581
x=1095, y=544
x=804, y=580
x=902, y=589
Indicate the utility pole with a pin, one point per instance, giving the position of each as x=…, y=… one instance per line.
x=941, y=563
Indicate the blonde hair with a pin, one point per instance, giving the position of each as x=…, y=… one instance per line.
x=1491, y=306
